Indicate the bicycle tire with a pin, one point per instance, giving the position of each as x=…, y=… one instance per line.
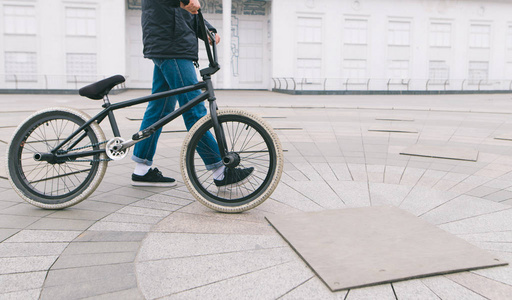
x=59, y=185
x=257, y=145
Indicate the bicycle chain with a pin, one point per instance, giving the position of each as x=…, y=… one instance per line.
x=84, y=147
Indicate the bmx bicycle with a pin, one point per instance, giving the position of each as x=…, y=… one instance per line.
x=58, y=156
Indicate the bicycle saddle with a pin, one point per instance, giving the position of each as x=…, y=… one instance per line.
x=98, y=90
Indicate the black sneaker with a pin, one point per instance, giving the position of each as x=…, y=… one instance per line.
x=153, y=178
x=234, y=177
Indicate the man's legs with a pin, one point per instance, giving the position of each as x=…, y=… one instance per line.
x=179, y=73
x=144, y=151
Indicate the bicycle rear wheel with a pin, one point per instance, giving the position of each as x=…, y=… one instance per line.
x=60, y=184
x=252, y=140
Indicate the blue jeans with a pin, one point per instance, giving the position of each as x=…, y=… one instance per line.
x=171, y=74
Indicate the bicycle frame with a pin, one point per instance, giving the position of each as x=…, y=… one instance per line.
x=109, y=109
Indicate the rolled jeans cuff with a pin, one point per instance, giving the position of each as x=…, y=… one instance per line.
x=214, y=166
x=142, y=161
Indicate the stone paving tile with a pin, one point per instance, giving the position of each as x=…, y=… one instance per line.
x=493, y=222
x=110, y=236
x=25, y=209
x=90, y=288
x=25, y=295
x=325, y=170
x=157, y=205
x=70, y=276
x=112, y=197
x=383, y=292
x=31, y=249
x=413, y=289
x=76, y=248
x=411, y=175
x=130, y=218
x=133, y=210
x=60, y=224
x=448, y=289
x=499, y=274
x=341, y=171
x=393, y=174
x=490, y=289
x=165, y=277
x=11, y=221
x=43, y=236
x=21, y=282
x=500, y=196
x=388, y=194
x=273, y=282
x=421, y=200
x=117, y=226
x=353, y=194
x=308, y=171
x=313, y=289
x=158, y=246
x=93, y=259
x=289, y=196
x=191, y=223
x=6, y=233
x=358, y=172
x=320, y=191
x=11, y=265
x=130, y=294
x=482, y=191
x=6, y=204
x=90, y=204
x=473, y=206
x=79, y=214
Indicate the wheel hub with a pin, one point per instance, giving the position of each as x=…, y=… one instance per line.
x=231, y=160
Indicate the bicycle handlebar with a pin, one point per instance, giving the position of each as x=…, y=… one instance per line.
x=207, y=36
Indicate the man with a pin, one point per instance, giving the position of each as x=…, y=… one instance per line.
x=170, y=40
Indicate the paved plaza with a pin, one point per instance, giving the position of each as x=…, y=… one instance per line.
x=159, y=243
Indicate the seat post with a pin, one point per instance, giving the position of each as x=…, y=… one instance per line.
x=106, y=101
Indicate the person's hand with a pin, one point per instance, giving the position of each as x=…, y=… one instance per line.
x=192, y=7
x=217, y=39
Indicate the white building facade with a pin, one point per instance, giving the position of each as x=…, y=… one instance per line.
x=287, y=44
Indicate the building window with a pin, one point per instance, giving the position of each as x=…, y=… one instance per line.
x=19, y=19
x=80, y=21
x=21, y=66
x=509, y=37
x=355, y=70
x=81, y=67
x=479, y=36
x=399, y=69
x=356, y=32
x=309, y=30
x=440, y=34
x=309, y=70
x=399, y=33
x=439, y=71
x=478, y=72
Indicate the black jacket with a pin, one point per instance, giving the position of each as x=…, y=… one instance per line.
x=169, y=31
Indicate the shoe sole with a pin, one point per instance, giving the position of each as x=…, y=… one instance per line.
x=154, y=184
x=239, y=183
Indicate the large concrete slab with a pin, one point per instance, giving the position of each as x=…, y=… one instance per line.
x=358, y=247
x=441, y=152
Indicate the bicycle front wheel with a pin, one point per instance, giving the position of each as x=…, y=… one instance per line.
x=59, y=184
x=251, y=140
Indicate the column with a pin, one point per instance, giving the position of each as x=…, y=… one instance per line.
x=226, y=41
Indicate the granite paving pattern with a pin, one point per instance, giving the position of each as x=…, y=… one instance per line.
x=157, y=243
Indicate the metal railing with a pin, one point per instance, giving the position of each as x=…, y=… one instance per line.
x=389, y=84
x=48, y=82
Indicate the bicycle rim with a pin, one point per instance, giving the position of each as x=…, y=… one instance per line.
x=256, y=149
x=53, y=183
